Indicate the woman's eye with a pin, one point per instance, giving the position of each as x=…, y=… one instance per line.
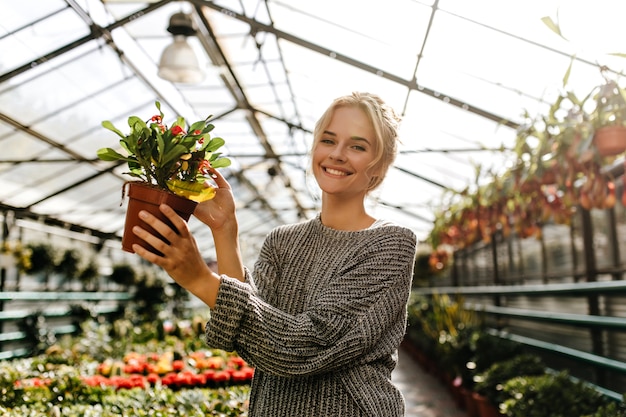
x=359, y=148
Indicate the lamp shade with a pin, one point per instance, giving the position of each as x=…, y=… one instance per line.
x=179, y=63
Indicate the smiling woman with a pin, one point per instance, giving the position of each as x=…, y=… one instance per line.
x=322, y=314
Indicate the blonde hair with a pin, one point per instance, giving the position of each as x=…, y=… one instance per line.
x=385, y=122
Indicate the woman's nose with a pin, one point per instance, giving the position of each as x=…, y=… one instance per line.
x=338, y=154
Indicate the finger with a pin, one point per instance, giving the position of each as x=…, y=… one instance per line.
x=151, y=240
x=219, y=179
x=147, y=255
x=162, y=229
x=180, y=226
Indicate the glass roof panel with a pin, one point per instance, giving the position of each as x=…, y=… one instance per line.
x=36, y=28
x=337, y=27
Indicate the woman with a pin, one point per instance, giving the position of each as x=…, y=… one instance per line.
x=323, y=312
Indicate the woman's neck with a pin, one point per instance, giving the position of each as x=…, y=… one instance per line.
x=342, y=214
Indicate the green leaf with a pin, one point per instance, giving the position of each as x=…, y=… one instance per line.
x=136, y=124
x=214, y=144
x=161, y=150
x=221, y=162
x=200, y=125
x=552, y=25
x=189, y=142
x=568, y=72
x=108, y=154
x=174, y=154
x=108, y=125
x=124, y=143
x=158, y=106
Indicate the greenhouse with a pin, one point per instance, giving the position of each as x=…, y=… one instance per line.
x=517, y=209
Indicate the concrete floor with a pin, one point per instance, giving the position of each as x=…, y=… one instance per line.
x=425, y=395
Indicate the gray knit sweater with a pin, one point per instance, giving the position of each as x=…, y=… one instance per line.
x=320, y=318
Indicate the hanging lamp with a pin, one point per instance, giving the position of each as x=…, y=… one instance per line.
x=179, y=63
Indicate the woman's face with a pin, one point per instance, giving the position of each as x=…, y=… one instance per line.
x=344, y=151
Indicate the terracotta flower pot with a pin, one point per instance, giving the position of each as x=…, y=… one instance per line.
x=484, y=406
x=145, y=197
x=610, y=140
x=470, y=404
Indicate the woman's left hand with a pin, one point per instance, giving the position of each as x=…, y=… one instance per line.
x=181, y=258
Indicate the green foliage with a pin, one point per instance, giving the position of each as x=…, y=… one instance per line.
x=489, y=349
x=153, y=402
x=52, y=384
x=447, y=329
x=8, y=375
x=550, y=395
x=42, y=257
x=89, y=273
x=21, y=254
x=69, y=264
x=38, y=335
x=123, y=274
x=490, y=383
x=157, y=154
x=610, y=410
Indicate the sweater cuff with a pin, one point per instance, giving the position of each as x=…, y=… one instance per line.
x=223, y=326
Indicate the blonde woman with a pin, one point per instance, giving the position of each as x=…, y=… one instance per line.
x=323, y=311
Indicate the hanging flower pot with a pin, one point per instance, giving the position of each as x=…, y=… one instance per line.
x=145, y=197
x=609, y=118
x=610, y=140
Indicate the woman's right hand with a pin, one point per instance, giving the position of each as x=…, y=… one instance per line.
x=219, y=212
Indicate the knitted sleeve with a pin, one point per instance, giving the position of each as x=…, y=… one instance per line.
x=360, y=317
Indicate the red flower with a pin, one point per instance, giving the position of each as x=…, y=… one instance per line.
x=198, y=379
x=221, y=376
x=204, y=166
x=177, y=130
x=178, y=365
x=153, y=378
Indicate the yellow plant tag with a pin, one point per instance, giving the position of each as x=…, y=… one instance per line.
x=192, y=191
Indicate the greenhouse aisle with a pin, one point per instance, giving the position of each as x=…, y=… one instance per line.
x=425, y=396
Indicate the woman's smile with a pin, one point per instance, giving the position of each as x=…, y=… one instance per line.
x=336, y=172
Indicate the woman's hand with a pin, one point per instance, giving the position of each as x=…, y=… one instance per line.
x=181, y=258
x=219, y=212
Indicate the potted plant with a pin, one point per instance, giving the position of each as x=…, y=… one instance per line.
x=170, y=163
x=609, y=118
x=490, y=382
x=15, y=254
x=123, y=274
x=42, y=260
x=89, y=274
x=550, y=395
x=68, y=266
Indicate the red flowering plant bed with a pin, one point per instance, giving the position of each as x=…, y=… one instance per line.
x=149, y=369
x=198, y=369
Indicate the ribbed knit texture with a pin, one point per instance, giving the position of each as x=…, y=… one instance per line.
x=321, y=318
